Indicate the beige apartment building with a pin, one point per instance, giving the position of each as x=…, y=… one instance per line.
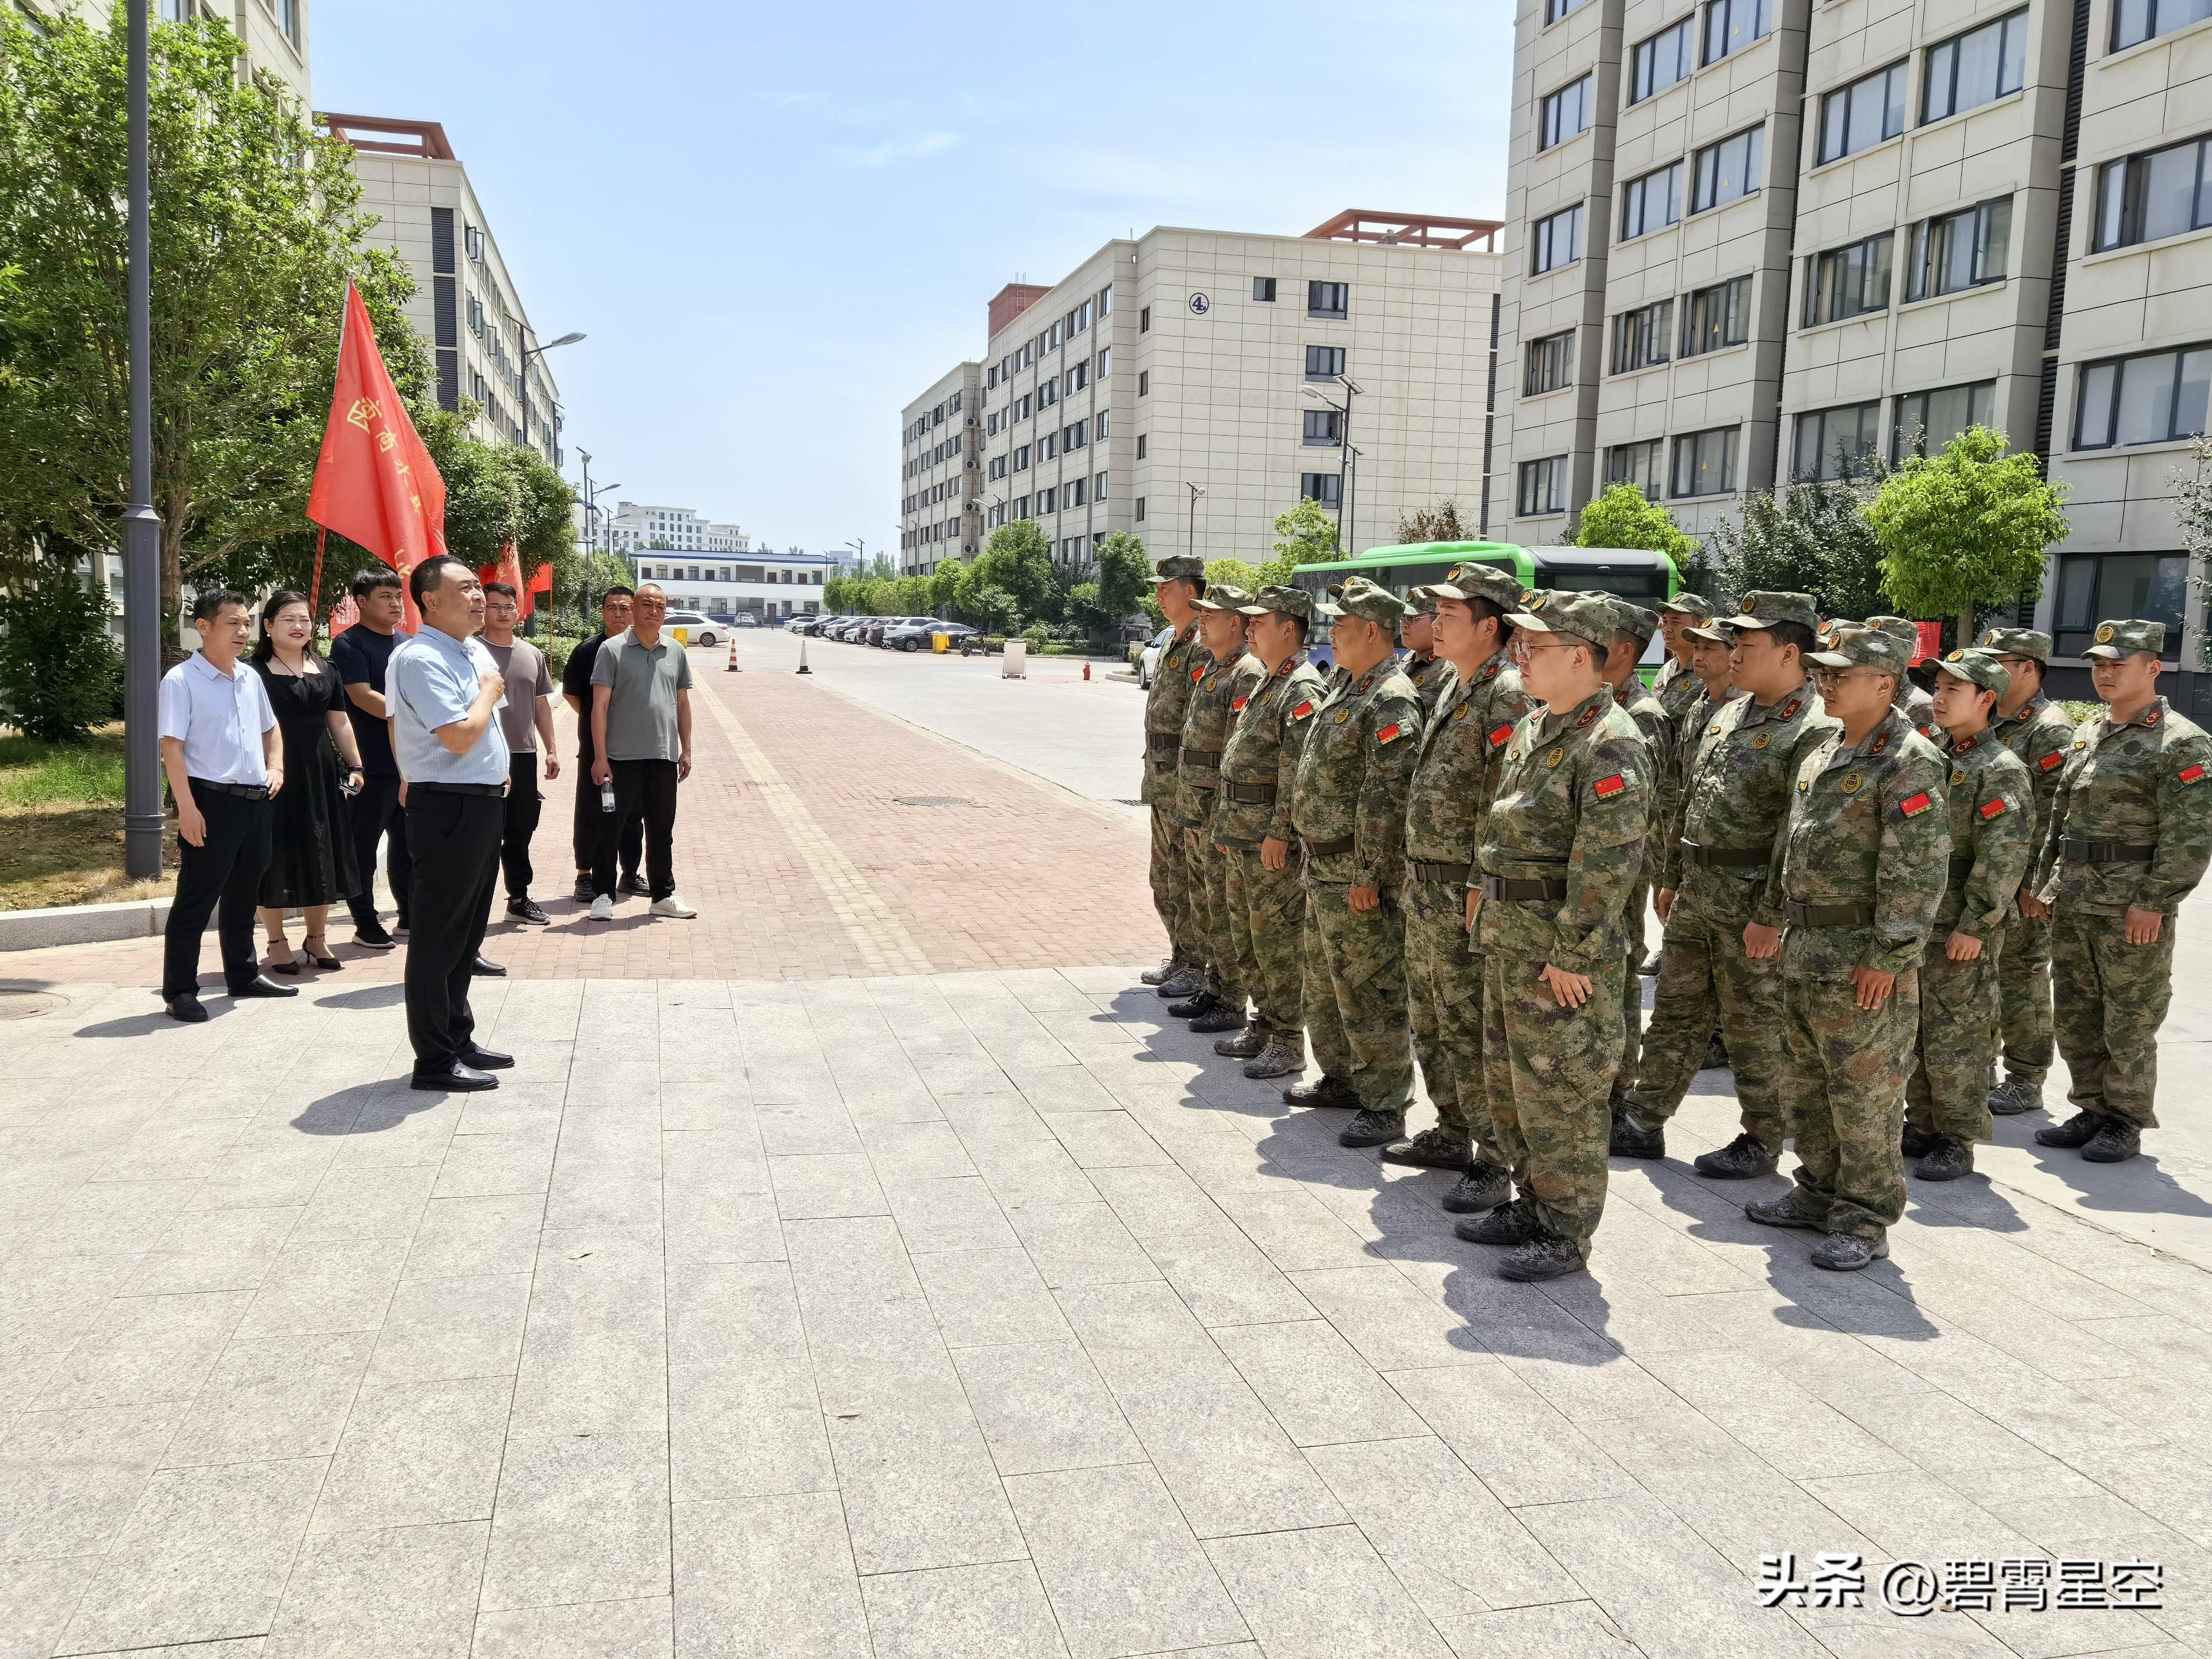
x=1188, y=385
x=940, y=471
x=275, y=32
x=1751, y=239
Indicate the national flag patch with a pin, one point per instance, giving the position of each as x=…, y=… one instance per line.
x=1389, y=733
x=1302, y=711
x=1198, y=674
x=1913, y=805
x=2053, y=761
x=1500, y=734
x=1993, y=808
x=1607, y=788
x=2192, y=774
x=1238, y=703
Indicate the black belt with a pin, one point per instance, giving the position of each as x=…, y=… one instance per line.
x=461, y=788
x=1167, y=741
x=243, y=791
x=1209, y=758
x=1725, y=857
x=1322, y=849
x=1501, y=887
x=2104, y=851
x=1828, y=915
x=1252, y=794
x=1425, y=870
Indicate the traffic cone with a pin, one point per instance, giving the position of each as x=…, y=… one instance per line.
x=1086, y=665
x=733, y=655
x=802, y=668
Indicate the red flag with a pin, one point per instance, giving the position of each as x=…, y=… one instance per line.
x=345, y=616
x=509, y=570
x=374, y=483
x=541, y=581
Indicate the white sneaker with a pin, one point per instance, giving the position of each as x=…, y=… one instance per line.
x=603, y=908
x=674, y=906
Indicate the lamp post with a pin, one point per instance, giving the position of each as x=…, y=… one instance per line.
x=1190, y=537
x=1343, y=443
x=141, y=526
x=522, y=371
x=1349, y=516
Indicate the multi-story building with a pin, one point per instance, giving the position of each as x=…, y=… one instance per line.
x=1190, y=384
x=940, y=462
x=634, y=527
x=1754, y=239
x=768, y=585
x=467, y=304
x=273, y=31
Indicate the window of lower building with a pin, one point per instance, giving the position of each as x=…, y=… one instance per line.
x=1323, y=427
x=1556, y=240
x=1729, y=170
x=1926, y=421
x=2163, y=192
x=1140, y=509
x=1704, y=463
x=2094, y=587
x=1324, y=362
x=1716, y=317
x=1832, y=441
x=1643, y=336
x=1959, y=250
x=1320, y=488
x=2136, y=20
x=1849, y=282
x=2156, y=397
x=1638, y=463
x=1263, y=290
x=1543, y=486
x=1550, y=363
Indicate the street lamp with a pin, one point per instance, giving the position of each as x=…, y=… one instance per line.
x=141, y=526
x=1190, y=540
x=522, y=371
x=1344, y=442
x=1348, y=517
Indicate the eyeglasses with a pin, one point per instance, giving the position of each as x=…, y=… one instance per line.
x=1524, y=650
x=1837, y=676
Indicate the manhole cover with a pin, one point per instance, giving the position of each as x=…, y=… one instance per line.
x=18, y=1003
x=932, y=800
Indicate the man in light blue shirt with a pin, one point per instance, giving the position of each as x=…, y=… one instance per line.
x=443, y=692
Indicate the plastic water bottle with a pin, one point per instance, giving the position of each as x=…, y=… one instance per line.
x=607, y=796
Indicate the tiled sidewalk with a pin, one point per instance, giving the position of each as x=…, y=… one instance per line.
x=973, y=1314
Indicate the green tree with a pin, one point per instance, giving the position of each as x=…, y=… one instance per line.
x=1813, y=538
x=1235, y=571
x=1124, y=574
x=1304, y=535
x=1966, y=529
x=61, y=672
x=256, y=229
x=1439, y=523
x=945, y=585
x=1017, y=562
x=1623, y=517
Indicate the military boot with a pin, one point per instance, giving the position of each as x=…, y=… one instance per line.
x=1510, y=1222
x=1369, y=1127
x=2016, y=1095
x=1633, y=1137
x=1200, y=1001
x=2078, y=1130
x=1323, y=1091
x=1716, y=1058
x=1542, y=1258
x=1282, y=1056
x=1187, y=983
x=1439, y=1147
x=1483, y=1187
x=1745, y=1157
x=1846, y=1253
x=1916, y=1143
x=1245, y=1044
x=2115, y=1142
x=1160, y=974
x=1781, y=1212
x=1949, y=1161
x=1222, y=1017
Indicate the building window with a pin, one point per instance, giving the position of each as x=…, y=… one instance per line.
x=1021, y=506
x=1833, y=441
x=1048, y=446
x=1105, y=361
x=1558, y=241
x=1662, y=61
x=1543, y=486
x=1961, y=250
x=2094, y=586
x=1078, y=375
x=1555, y=9
x=2156, y=397
x=1139, y=514
x=1550, y=364
x=1073, y=493
x=1098, y=487
x=1321, y=488
x=1141, y=446
x=1327, y=299
x=1849, y=282
x=1863, y=114
x=2136, y=20
x=1716, y=317
x=1144, y=383
x=1636, y=464
x=1324, y=362
x=1643, y=336
x=1704, y=463
x=1565, y=113
x=1022, y=459
x=1929, y=420
x=1729, y=170
x=1732, y=24
x=1075, y=436
x=1106, y=302
x=1323, y=427
x=1263, y=290
x=1144, y=319
x=1975, y=68
x=2163, y=193
x=1651, y=203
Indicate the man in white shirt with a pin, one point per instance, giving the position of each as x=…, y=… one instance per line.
x=224, y=759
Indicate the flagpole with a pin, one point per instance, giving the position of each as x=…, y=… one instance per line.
x=141, y=526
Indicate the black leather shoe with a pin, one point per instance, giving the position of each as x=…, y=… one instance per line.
x=2078, y=1130
x=1740, y=1160
x=1323, y=1091
x=1202, y=1002
x=1633, y=1137
x=485, y=1059
x=1541, y=1259
x=1219, y=1018
x=487, y=968
x=262, y=985
x=634, y=883
x=525, y=908
x=456, y=1078
x=187, y=1008
x=1509, y=1224
x=1483, y=1187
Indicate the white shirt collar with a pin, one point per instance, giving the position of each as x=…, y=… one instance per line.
x=239, y=670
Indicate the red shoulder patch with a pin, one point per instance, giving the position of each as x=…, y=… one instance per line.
x=1498, y=735
x=2053, y=761
x=1198, y=674
x=1880, y=742
x=1913, y=805
x=2192, y=774
x=1302, y=711
x=2152, y=718
x=1589, y=714
x=1790, y=710
x=1238, y=703
x=1607, y=788
x=1994, y=807
x=1389, y=733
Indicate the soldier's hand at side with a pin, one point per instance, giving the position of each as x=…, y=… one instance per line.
x=1364, y=899
x=1759, y=943
x=1963, y=947
x=2033, y=907
x=1273, y=855
x=1873, y=986
x=1568, y=990
x=1663, y=902
x=1474, y=903
x=2142, y=926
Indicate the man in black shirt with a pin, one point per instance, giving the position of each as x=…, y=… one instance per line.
x=359, y=654
x=576, y=692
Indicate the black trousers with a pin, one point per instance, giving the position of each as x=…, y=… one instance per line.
x=374, y=811
x=523, y=804
x=631, y=842
x=455, y=840
x=645, y=790
x=223, y=871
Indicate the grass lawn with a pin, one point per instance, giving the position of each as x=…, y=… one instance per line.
x=61, y=824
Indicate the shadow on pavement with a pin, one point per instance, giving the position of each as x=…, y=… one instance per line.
x=363, y=1109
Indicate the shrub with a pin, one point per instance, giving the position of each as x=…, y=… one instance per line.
x=61, y=671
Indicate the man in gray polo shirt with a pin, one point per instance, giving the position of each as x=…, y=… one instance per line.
x=642, y=735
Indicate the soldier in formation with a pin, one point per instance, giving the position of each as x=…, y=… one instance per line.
x=1178, y=585
x=1429, y=672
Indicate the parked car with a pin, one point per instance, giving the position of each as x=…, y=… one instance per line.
x=1148, y=662
x=878, y=627
x=916, y=635
x=746, y=619
x=804, y=624
x=849, y=630
x=699, y=628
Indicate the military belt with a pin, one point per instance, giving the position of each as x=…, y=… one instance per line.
x=1209, y=758
x=1162, y=742
x=1322, y=850
x=1500, y=887
x=2104, y=851
x=1425, y=870
x=1251, y=794
x=1828, y=915
x=1727, y=857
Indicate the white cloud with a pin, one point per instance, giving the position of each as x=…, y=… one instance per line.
x=894, y=149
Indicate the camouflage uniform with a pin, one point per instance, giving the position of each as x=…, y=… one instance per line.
x=1267, y=907
x=1218, y=686
x=1165, y=705
x=1560, y=850
x=1658, y=728
x=1864, y=867
x=1349, y=808
x=1916, y=705
x=1675, y=686
x=2042, y=736
x=1992, y=824
x=2131, y=826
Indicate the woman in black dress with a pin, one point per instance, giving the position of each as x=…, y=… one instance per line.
x=311, y=862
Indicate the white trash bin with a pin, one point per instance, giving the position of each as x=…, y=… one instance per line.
x=1016, y=666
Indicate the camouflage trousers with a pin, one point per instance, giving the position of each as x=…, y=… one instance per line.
x=1267, y=920
x=1706, y=983
x=1632, y=999
x=1443, y=980
x=1550, y=1072
x=1213, y=949
x=1355, y=993
x=2024, y=993
x=1844, y=1086
x=1955, y=1047
x=1171, y=868
x=2107, y=1021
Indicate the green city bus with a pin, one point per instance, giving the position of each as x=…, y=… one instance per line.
x=1643, y=577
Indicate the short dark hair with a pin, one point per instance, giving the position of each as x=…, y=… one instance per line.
x=1792, y=633
x=429, y=576
x=623, y=588
x=506, y=588
x=1482, y=607
x=367, y=581
x=208, y=602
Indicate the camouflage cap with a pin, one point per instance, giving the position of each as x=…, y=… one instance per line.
x=1978, y=667
x=1717, y=634
x=1630, y=617
x=1280, y=601
x=1853, y=645
x=1477, y=581
x=1765, y=609
x=1356, y=596
x=1420, y=602
x=1589, y=618
x=2017, y=642
x=2116, y=639
x=1903, y=629
x=1179, y=568
x=1224, y=596
x=1689, y=605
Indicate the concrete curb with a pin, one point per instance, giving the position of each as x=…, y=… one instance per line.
x=81, y=924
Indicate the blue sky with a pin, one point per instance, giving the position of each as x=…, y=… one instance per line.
x=778, y=224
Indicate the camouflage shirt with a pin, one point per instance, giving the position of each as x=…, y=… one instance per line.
x=1677, y=688
x=1351, y=778
x=1432, y=677
x=1163, y=711
x=2043, y=737
x=1574, y=802
x=2147, y=783
x=1456, y=772
x=1735, y=798
x=1866, y=829
x=1657, y=727
x=1992, y=838
x=1216, y=687
x=1265, y=738
x=1919, y=707
x=1690, y=723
